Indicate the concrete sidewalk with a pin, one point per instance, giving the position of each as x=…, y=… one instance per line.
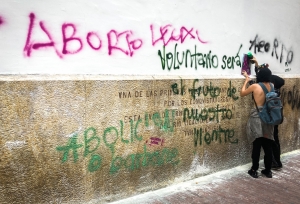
x=232, y=186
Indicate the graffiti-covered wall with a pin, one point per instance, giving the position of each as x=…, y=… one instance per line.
x=102, y=100
x=77, y=140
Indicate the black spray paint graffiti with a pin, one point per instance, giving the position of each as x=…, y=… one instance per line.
x=212, y=91
x=193, y=59
x=287, y=69
x=286, y=55
x=291, y=97
x=216, y=135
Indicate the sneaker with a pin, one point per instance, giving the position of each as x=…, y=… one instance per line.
x=267, y=174
x=253, y=173
x=276, y=166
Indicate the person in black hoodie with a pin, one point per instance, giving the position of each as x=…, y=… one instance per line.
x=278, y=83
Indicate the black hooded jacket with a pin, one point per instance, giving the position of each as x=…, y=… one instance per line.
x=276, y=80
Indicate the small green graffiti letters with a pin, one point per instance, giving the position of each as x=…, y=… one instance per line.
x=166, y=125
x=231, y=91
x=145, y=159
x=211, y=90
x=195, y=59
x=189, y=59
x=95, y=163
x=176, y=90
x=206, y=113
x=215, y=135
x=87, y=141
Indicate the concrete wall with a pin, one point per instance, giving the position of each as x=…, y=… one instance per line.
x=79, y=139
x=96, y=98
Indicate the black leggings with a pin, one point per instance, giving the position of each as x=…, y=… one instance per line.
x=276, y=146
x=266, y=144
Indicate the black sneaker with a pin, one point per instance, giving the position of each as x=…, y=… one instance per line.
x=277, y=166
x=253, y=173
x=267, y=174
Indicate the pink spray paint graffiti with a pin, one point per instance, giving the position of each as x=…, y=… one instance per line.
x=130, y=44
x=115, y=39
x=29, y=43
x=155, y=141
x=167, y=35
x=66, y=39
x=89, y=40
x=1, y=20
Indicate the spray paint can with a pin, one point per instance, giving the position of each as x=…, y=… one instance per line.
x=250, y=57
x=246, y=60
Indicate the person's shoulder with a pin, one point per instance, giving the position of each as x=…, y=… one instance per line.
x=255, y=86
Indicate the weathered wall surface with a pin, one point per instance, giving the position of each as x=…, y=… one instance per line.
x=79, y=140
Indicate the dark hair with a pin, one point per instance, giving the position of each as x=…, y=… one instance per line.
x=264, y=75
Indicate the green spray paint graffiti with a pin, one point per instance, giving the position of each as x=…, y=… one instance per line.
x=167, y=125
x=175, y=88
x=73, y=146
x=212, y=91
x=206, y=113
x=216, y=135
x=110, y=137
x=88, y=140
x=189, y=58
x=145, y=159
x=131, y=162
x=194, y=59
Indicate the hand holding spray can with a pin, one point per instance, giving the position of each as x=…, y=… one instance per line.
x=246, y=66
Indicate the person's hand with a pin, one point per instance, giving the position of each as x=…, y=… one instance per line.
x=254, y=61
x=244, y=73
x=246, y=76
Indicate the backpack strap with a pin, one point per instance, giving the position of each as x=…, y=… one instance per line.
x=265, y=88
x=255, y=105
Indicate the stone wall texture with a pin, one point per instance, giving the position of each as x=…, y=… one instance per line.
x=93, y=139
